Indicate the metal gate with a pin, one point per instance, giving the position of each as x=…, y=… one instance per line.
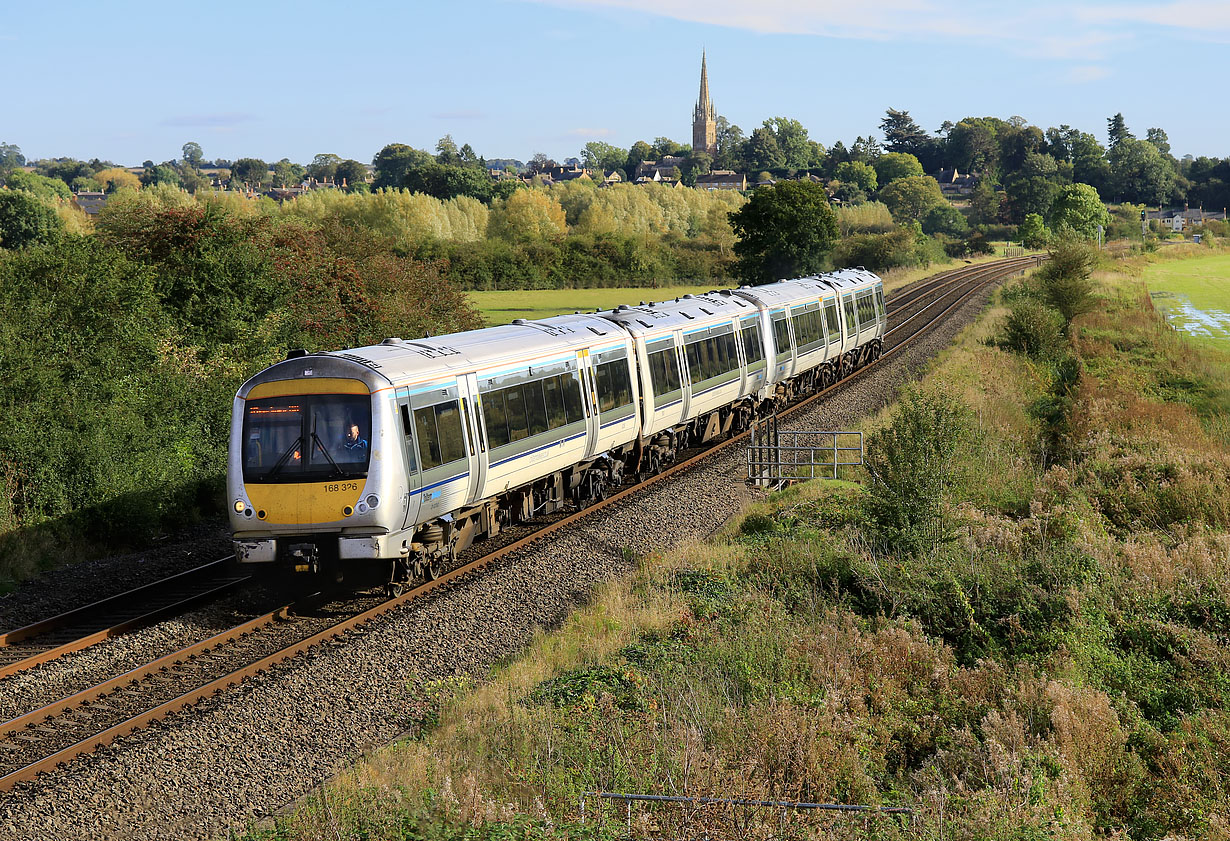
x=777, y=456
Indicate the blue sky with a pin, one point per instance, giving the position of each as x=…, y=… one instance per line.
x=135, y=80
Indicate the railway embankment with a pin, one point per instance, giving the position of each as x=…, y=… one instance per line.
x=245, y=754
x=1014, y=622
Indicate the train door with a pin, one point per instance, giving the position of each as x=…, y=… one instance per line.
x=593, y=424
x=685, y=375
x=410, y=457
x=476, y=438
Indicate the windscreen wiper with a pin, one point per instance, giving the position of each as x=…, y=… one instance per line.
x=277, y=465
x=316, y=440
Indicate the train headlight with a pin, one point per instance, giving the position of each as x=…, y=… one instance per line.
x=239, y=506
x=372, y=501
x=362, y=507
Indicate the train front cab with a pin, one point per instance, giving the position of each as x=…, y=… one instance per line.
x=306, y=479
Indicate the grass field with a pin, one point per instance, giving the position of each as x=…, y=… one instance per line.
x=501, y=307
x=1194, y=294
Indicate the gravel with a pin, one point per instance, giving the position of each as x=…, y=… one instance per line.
x=243, y=755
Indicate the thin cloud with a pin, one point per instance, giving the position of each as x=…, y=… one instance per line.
x=219, y=121
x=461, y=114
x=1197, y=15
x=1088, y=73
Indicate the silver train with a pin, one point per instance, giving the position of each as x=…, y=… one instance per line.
x=388, y=460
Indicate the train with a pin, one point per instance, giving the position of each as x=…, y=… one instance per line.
x=382, y=463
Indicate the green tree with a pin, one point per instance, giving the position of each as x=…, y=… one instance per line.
x=761, y=150
x=945, y=219
x=324, y=166
x=973, y=146
x=1031, y=188
x=1067, y=278
x=25, y=220
x=1033, y=232
x=860, y=175
x=447, y=152
x=1158, y=138
x=913, y=464
x=893, y=165
x=1117, y=131
x=663, y=146
x=985, y=204
x=1140, y=173
x=730, y=142
x=910, y=199
x=1077, y=210
x=640, y=151
x=192, y=154
x=251, y=171
x=10, y=158
x=901, y=133
x=604, y=157
x=393, y=163
x=786, y=230
x=287, y=173
x=160, y=174
x=353, y=173
x=65, y=169
x=39, y=185
x=792, y=140
x=1089, y=164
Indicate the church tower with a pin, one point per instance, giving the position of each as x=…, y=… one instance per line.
x=704, y=117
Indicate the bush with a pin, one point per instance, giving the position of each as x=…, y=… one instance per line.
x=1033, y=328
x=912, y=464
x=877, y=251
x=25, y=220
x=1033, y=232
x=1066, y=278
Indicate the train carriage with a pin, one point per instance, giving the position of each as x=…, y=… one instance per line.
x=391, y=458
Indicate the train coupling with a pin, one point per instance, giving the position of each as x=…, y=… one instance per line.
x=304, y=557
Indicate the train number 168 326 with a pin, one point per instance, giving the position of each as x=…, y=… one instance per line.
x=341, y=486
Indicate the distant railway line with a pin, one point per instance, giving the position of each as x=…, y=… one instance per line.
x=68, y=727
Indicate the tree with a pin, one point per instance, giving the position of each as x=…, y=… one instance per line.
x=1033, y=232
x=351, y=172
x=526, y=216
x=25, y=220
x=663, y=146
x=1158, y=138
x=1077, y=211
x=1139, y=173
x=1031, y=189
x=1066, y=278
x=784, y=231
x=286, y=173
x=698, y=163
x=65, y=169
x=893, y=165
x=858, y=174
x=324, y=166
x=1117, y=130
x=117, y=178
x=761, y=150
x=192, y=154
x=39, y=185
x=10, y=158
x=973, y=146
x=1089, y=164
x=160, y=174
x=985, y=204
x=392, y=163
x=640, y=151
x=909, y=199
x=252, y=171
x=901, y=133
x=604, y=157
x=945, y=219
x=791, y=137
x=730, y=141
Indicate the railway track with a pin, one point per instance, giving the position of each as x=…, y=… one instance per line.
x=43, y=739
x=75, y=630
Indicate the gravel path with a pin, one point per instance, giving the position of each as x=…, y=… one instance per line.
x=243, y=755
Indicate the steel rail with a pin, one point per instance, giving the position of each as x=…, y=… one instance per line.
x=978, y=278
x=112, y=616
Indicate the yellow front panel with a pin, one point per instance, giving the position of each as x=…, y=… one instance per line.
x=297, y=504
x=308, y=385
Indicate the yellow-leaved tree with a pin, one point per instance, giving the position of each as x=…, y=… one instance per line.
x=527, y=215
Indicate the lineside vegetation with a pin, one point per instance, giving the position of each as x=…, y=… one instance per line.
x=1036, y=647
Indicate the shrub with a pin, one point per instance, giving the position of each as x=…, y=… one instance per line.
x=25, y=220
x=912, y=464
x=1033, y=328
x=1066, y=278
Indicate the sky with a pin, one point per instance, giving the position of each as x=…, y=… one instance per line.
x=130, y=81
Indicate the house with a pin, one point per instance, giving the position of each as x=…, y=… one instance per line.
x=954, y=184
x=722, y=179
x=90, y=202
x=666, y=169
x=612, y=177
x=566, y=173
x=1180, y=220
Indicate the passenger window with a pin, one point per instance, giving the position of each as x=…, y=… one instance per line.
x=614, y=385
x=518, y=426
x=448, y=427
x=429, y=441
x=830, y=314
x=535, y=407
x=496, y=417
x=753, y=348
x=848, y=304
x=553, y=391
x=572, y=397
x=781, y=337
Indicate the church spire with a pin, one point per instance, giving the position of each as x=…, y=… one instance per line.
x=704, y=116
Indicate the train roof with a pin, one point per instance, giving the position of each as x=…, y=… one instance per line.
x=684, y=312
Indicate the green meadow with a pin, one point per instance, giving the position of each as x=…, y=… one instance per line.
x=1194, y=295
x=502, y=306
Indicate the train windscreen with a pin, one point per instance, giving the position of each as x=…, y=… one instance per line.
x=307, y=438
